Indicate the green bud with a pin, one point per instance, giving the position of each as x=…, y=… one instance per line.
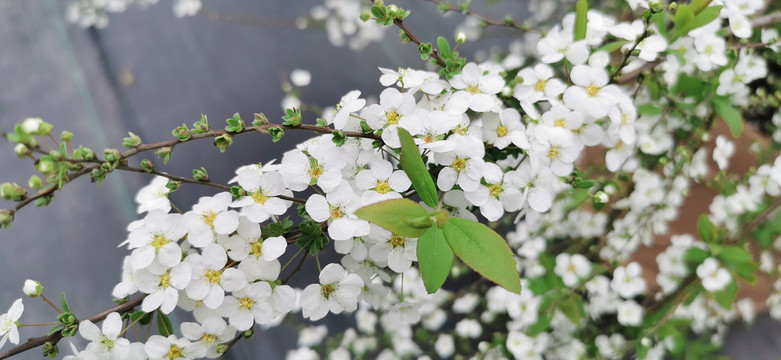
x=404, y=37
x=365, y=15
x=223, y=142
x=66, y=135
x=173, y=185
x=70, y=330
x=6, y=218
x=83, y=153
x=222, y=348
x=392, y=10
x=131, y=142
x=182, y=133
x=44, y=200
x=235, y=124
x=45, y=166
x=66, y=318
x=276, y=133
x=237, y=191
x=164, y=153
x=673, y=6
x=22, y=151
x=55, y=155
x=260, y=120
x=200, y=174
x=292, y=117
x=50, y=350
x=600, y=197
x=45, y=129
x=508, y=20
x=201, y=126
x=7, y=190
x=112, y=156
x=339, y=137
x=147, y=165
x=248, y=334
x=35, y=182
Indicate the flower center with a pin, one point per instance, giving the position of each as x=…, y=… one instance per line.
x=212, y=276
x=473, y=89
x=256, y=248
x=459, y=164
x=540, y=85
x=501, y=131
x=382, y=187
x=429, y=139
x=335, y=212
x=209, y=217
x=260, y=198
x=559, y=123
x=315, y=171
x=393, y=118
x=592, y=90
x=326, y=290
x=495, y=190
x=553, y=152
x=209, y=338
x=397, y=241
x=165, y=280
x=246, y=303
x=159, y=241
x=174, y=353
x=106, y=343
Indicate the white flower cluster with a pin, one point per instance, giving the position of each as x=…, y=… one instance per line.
x=88, y=13
x=343, y=24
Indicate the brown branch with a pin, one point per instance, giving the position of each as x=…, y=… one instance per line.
x=766, y=20
x=487, y=21
x=413, y=38
x=55, y=337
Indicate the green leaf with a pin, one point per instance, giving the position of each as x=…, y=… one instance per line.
x=581, y=19
x=443, y=46
x=698, y=5
x=65, y=306
x=695, y=255
x=727, y=296
x=164, y=326
x=682, y=19
x=612, y=46
x=542, y=324
x=401, y=216
x=705, y=228
x=435, y=258
x=416, y=170
x=735, y=255
x=661, y=24
x=572, y=307
x=483, y=250
x=729, y=114
x=648, y=109
x=704, y=17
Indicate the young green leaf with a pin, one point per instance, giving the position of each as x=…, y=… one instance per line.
x=444, y=47
x=704, y=17
x=435, y=258
x=164, y=326
x=401, y=216
x=581, y=18
x=731, y=116
x=416, y=170
x=705, y=228
x=484, y=251
x=682, y=20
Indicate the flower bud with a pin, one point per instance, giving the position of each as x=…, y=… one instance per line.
x=66, y=136
x=6, y=218
x=22, y=151
x=32, y=288
x=600, y=197
x=460, y=37
x=35, y=182
x=366, y=15
x=32, y=125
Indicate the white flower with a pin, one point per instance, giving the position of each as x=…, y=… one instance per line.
x=592, y=93
x=630, y=313
x=572, y=268
x=32, y=288
x=445, y=346
x=538, y=84
x=499, y=193
x=248, y=306
x=157, y=240
x=257, y=256
x=162, y=285
x=557, y=148
x=478, y=91
x=381, y=182
x=499, y=128
x=338, y=291
x=184, y=8
x=536, y=181
x=210, y=216
x=300, y=77
x=469, y=328
x=323, y=168
x=723, y=151
x=463, y=165
x=628, y=281
x=210, y=279
x=393, y=107
x=714, y=277
x=430, y=127
x=337, y=208
x=350, y=103
x=106, y=342
x=262, y=189
x=398, y=251
x=8, y=323
x=169, y=348
x=558, y=43
x=211, y=332
x=154, y=196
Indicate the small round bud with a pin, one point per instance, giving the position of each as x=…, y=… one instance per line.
x=301, y=77
x=392, y=10
x=222, y=348
x=66, y=136
x=673, y=6
x=35, y=182
x=32, y=125
x=22, y=151
x=6, y=218
x=460, y=37
x=7, y=190
x=600, y=197
x=32, y=288
x=366, y=15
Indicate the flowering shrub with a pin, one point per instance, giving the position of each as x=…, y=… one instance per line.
x=493, y=209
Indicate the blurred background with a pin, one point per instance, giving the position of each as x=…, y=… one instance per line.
x=149, y=72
